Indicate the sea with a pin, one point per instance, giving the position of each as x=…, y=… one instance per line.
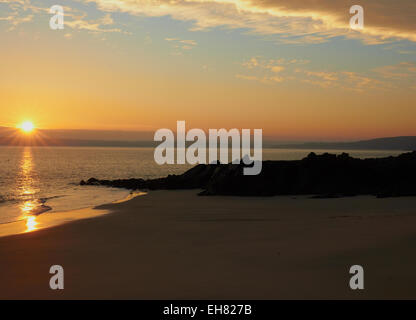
x=34, y=180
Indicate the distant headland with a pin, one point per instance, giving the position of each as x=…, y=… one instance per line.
x=325, y=175
x=133, y=139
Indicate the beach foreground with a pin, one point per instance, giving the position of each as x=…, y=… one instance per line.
x=177, y=245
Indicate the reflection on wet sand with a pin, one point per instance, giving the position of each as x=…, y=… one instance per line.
x=30, y=210
x=26, y=209
x=35, y=223
x=31, y=223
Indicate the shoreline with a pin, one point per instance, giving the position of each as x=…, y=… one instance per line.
x=47, y=219
x=177, y=245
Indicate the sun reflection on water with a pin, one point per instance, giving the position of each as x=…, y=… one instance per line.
x=27, y=207
x=27, y=175
x=27, y=187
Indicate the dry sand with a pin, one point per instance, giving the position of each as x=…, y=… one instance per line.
x=176, y=245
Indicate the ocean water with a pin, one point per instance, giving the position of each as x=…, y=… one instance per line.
x=34, y=180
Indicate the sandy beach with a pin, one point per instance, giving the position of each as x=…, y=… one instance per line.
x=177, y=245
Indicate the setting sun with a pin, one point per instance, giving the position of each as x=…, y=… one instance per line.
x=27, y=127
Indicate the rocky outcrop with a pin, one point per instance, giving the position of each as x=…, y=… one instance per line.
x=326, y=175
x=195, y=178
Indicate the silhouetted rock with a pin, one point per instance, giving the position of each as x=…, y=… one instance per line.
x=326, y=175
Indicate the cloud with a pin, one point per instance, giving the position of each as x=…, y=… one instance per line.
x=95, y=26
x=180, y=44
x=74, y=18
x=269, y=70
x=272, y=71
x=14, y=18
x=77, y=20
x=247, y=77
x=264, y=79
x=252, y=63
x=15, y=21
x=399, y=71
x=327, y=76
x=275, y=65
x=277, y=69
x=301, y=21
x=347, y=80
x=14, y=1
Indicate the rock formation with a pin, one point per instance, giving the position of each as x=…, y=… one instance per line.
x=326, y=175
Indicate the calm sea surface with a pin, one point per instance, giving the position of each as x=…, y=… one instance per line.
x=37, y=179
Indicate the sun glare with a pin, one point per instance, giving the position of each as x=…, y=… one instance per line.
x=27, y=127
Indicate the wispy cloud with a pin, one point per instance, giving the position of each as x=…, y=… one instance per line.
x=347, y=80
x=272, y=71
x=100, y=25
x=24, y=11
x=302, y=21
x=263, y=79
x=324, y=75
x=399, y=71
x=269, y=70
x=180, y=45
x=18, y=13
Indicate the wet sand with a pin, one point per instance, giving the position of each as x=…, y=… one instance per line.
x=176, y=245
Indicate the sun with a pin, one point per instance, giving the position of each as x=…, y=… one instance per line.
x=27, y=126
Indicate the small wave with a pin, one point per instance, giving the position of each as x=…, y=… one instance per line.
x=43, y=200
x=4, y=199
x=24, y=210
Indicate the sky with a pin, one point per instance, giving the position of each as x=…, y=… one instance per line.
x=292, y=68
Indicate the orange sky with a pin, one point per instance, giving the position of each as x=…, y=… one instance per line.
x=159, y=69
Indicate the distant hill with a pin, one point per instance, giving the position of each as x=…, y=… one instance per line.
x=394, y=143
x=107, y=138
